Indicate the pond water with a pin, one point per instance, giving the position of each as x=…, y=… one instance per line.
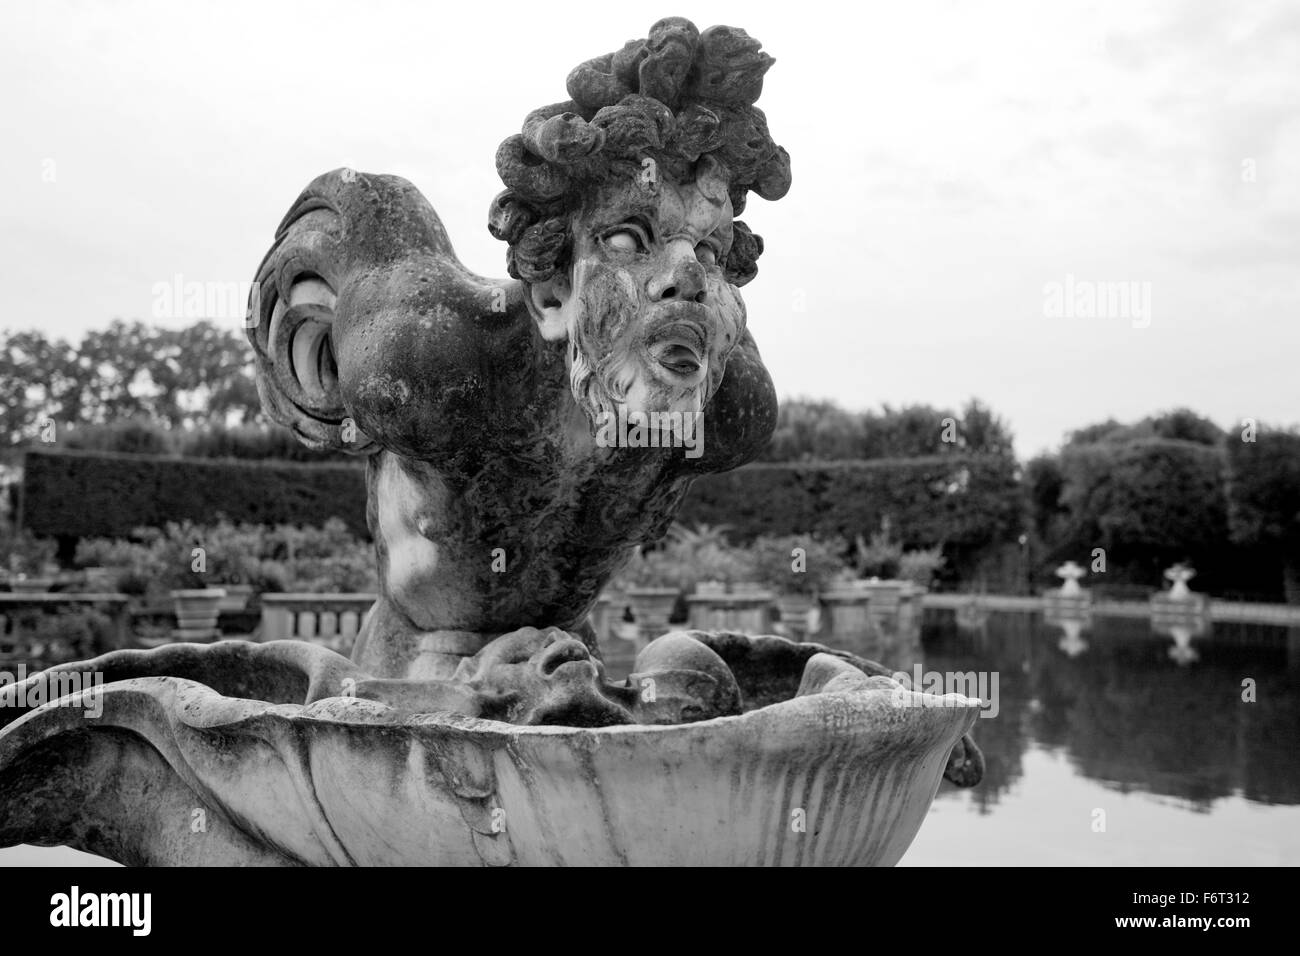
x=1113, y=745
x=1122, y=721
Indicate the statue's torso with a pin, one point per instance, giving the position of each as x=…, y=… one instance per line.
x=525, y=539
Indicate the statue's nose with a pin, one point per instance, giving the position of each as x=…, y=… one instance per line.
x=682, y=278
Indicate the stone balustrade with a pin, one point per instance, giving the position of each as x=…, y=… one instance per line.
x=21, y=642
x=331, y=620
x=743, y=610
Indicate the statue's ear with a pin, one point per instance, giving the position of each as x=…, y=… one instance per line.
x=548, y=303
x=291, y=323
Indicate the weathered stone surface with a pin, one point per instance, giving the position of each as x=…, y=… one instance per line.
x=824, y=778
x=494, y=502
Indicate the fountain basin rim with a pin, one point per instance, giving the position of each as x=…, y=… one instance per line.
x=852, y=714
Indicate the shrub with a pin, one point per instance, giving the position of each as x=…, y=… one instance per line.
x=882, y=557
x=285, y=557
x=324, y=559
x=964, y=502
x=143, y=436
x=79, y=494
x=776, y=562
x=687, y=558
x=250, y=442
x=921, y=566
x=133, y=436
x=24, y=553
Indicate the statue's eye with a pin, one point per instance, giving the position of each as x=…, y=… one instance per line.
x=706, y=254
x=626, y=239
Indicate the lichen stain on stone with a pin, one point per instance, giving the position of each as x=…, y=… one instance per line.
x=384, y=390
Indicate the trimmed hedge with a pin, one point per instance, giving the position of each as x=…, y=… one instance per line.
x=82, y=494
x=964, y=502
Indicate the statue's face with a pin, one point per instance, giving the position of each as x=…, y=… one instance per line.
x=533, y=676
x=648, y=314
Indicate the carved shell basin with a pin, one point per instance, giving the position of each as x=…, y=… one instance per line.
x=842, y=778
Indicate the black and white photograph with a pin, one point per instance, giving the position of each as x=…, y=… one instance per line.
x=596, y=435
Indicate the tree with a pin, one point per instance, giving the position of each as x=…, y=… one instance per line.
x=982, y=432
x=819, y=430
x=1264, y=500
x=175, y=377
x=1149, y=503
x=813, y=430
x=1181, y=424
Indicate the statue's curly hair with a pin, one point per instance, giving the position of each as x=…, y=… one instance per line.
x=675, y=96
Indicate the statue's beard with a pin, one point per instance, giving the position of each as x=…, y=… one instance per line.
x=600, y=385
x=607, y=366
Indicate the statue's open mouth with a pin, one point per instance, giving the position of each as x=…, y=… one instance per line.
x=679, y=342
x=678, y=358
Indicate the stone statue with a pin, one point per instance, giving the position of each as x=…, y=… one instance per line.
x=480, y=402
x=1070, y=573
x=523, y=436
x=533, y=676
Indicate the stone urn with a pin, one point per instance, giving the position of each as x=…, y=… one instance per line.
x=652, y=607
x=236, y=599
x=295, y=771
x=197, y=610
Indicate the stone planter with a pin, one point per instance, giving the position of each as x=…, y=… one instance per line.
x=237, y=597
x=652, y=607
x=197, y=611
x=26, y=585
x=794, y=610
x=745, y=610
x=848, y=611
x=886, y=596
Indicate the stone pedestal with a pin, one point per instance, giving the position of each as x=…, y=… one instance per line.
x=746, y=612
x=847, y=610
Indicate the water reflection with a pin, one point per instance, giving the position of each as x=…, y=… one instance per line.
x=1135, y=707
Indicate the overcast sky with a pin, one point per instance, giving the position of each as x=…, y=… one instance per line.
x=960, y=171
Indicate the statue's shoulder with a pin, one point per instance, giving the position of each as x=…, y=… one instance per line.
x=365, y=325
